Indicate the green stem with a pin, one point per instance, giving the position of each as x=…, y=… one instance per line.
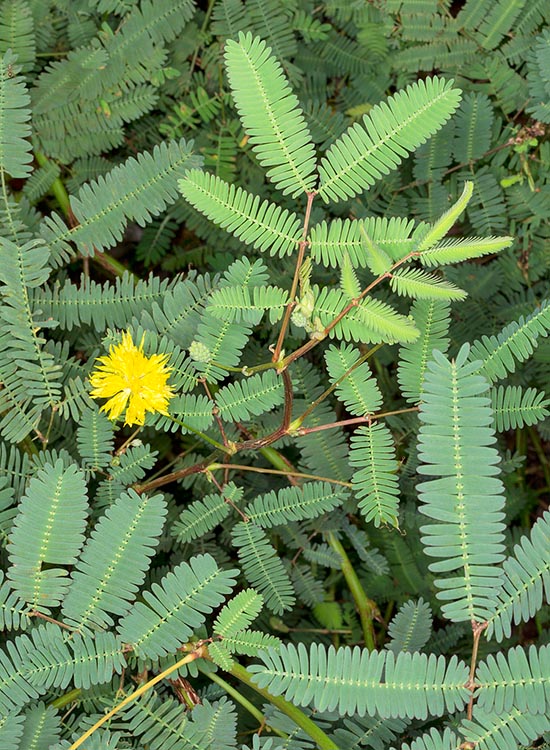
x=365, y=606
x=58, y=188
x=245, y=369
x=197, y=48
x=202, y=435
x=66, y=698
x=298, y=717
x=234, y=693
x=521, y=449
x=276, y=459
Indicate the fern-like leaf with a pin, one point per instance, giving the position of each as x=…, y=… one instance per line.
x=238, y=613
x=474, y=122
x=13, y=610
x=412, y=282
x=432, y=319
x=203, y=515
x=55, y=658
x=255, y=395
x=372, y=732
x=271, y=115
x=137, y=190
x=515, y=343
x=113, y=563
x=514, y=407
x=439, y=228
x=411, y=627
x=95, y=439
x=356, y=386
x=391, y=130
x=329, y=242
x=433, y=740
x=466, y=500
x=173, y=609
x=357, y=681
x=102, y=305
x=161, y=725
x=505, y=730
x=15, y=130
x=48, y=531
x=375, y=480
x=294, y=504
x=455, y=251
x=262, y=224
x=369, y=321
x=515, y=679
x=238, y=303
x=263, y=567
x=42, y=728
x=526, y=581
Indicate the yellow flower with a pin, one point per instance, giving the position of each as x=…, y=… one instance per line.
x=128, y=377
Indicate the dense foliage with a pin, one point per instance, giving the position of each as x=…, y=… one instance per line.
x=299, y=253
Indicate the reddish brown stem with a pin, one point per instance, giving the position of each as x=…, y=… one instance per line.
x=477, y=630
x=174, y=476
x=354, y=303
x=301, y=253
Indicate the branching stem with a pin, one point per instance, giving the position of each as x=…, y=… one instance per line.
x=353, y=303
x=300, y=420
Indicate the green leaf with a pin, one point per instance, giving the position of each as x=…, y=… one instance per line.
x=201, y=516
x=15, y=130
x=377, y=260
x=95, y=438
x=271, y=115
x=252, y=396
x=48, y=531
x=350, y=680
x=515, y=407
x=440, y=228
x=358, y=389
x=310, y=500
x=412, y=282
x=262, y=566
x=173, y=609
x=466, y=499
x=455, y=251
x=375, y=479
x=432, y=318
x=411, y=627
x=115, y=559
x=517, y=679
x=262, y=224
x=391, y=130
x=238, y=613
x=515, y=343
x=526, y=582
x=137, y=190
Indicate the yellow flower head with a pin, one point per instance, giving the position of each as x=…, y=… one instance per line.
x=128, y=377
